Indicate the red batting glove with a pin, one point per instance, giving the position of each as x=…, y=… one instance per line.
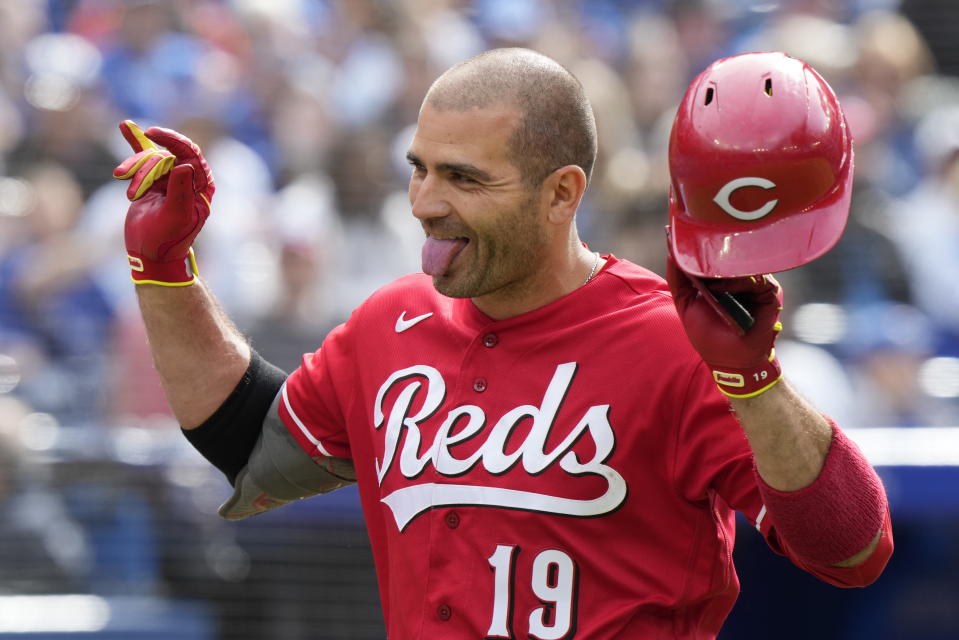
x=170, y=192
x=743, y=363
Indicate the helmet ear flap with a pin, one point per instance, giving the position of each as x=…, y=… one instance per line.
x=769, y=164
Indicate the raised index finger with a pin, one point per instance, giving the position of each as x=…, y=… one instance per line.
x=178, y=144
x=186, y=151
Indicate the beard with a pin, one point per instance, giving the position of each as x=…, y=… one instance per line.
x=500, y=257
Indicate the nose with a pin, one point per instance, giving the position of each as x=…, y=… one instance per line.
x=426, y=197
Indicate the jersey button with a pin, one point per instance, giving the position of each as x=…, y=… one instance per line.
x=444, y=612
x=479, y=385
x=452, y=520
x=490, y=340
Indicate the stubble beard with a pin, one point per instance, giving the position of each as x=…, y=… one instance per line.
x=510, y=255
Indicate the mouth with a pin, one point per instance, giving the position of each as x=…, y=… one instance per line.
x=439, y=253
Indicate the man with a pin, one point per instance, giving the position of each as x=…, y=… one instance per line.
x=539, y=450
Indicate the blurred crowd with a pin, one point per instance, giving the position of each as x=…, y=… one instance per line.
x=304, y=109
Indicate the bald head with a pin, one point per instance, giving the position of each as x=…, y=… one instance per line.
x=556, y=126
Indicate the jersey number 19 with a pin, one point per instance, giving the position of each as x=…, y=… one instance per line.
x=553, y=581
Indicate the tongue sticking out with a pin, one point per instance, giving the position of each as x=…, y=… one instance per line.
x=438, y=254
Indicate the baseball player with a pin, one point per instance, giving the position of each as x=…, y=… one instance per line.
x=541, y=434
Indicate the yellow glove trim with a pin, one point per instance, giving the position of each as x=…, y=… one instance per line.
x=136, y=167
x=161, y=169
x=164, y=284
x=145, y=142
x=193, y=267
x=754, y=393
x=137, y=265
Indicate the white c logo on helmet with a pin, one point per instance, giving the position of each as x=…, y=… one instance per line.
x=722, y=198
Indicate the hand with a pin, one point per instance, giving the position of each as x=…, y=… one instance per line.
x=170, y=192
x=743, y=363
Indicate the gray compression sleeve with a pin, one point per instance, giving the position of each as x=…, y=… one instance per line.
x=279, y=471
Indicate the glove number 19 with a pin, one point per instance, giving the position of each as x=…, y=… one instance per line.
x=553, y=581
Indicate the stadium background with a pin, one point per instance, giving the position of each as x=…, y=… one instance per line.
x=304, y=108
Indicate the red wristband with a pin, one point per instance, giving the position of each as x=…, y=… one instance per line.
x=835, y=517
x=176, y=273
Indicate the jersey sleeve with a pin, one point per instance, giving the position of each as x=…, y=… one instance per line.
x=712, y=456
x=711, y=453
x=311, y=400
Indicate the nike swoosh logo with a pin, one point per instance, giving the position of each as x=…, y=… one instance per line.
x=402, y=323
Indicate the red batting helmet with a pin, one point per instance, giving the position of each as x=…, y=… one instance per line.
x=760, y=159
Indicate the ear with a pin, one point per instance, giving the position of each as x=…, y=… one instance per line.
x=562, y=191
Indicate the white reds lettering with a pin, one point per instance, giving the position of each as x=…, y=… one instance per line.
x=722, y=198
x=408, y=502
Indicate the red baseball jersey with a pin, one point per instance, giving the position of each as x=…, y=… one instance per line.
x=571, y=472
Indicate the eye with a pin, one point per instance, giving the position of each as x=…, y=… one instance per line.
x=459, y=177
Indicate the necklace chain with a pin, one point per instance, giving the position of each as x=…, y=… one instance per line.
x=592, y=271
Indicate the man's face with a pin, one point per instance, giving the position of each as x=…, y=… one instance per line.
x=485, y=233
